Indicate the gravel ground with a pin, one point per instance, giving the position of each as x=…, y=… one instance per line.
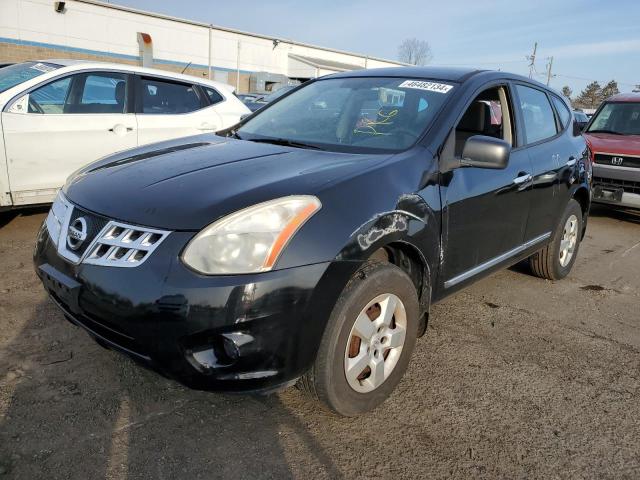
x=516, y=378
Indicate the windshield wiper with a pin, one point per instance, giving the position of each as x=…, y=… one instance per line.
x=286, y=142
x=603, y=130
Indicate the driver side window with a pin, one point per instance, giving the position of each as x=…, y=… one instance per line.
x=50, y=98
x=82, y=93
x=488, y=115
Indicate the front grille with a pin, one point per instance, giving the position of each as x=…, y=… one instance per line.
x=122, y=245
x=617, y=160
x=95, y=224
x=97, y=239
x=627, y=185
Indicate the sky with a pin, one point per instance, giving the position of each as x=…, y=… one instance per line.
x=588, y=39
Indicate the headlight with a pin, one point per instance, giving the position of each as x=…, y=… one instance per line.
x=251, y=239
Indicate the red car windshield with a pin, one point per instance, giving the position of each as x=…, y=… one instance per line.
x=622, y=118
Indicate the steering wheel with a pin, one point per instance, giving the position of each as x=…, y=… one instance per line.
x=35, y=105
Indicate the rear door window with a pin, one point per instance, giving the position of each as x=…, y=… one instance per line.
x=537, y=114
x=166, y=97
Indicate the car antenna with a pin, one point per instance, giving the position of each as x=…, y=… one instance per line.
x=187, y=66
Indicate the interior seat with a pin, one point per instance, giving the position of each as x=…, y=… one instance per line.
x=475, y=121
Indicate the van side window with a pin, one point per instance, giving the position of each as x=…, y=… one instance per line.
x=537, y=114
x=165, y=97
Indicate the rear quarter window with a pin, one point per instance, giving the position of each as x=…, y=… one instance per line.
x=213, y=95
x=563, y=111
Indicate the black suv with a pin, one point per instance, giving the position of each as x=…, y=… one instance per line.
x=307, y=243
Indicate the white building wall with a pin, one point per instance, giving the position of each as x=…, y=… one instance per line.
x=89, y=26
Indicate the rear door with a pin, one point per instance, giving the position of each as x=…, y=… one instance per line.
x=168, y=109
x=548, y=155
x=68, y=122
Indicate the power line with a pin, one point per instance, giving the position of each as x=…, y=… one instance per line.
x=628, y=84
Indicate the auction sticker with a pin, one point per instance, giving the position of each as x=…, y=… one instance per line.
x=41, y=67
x=422, y=85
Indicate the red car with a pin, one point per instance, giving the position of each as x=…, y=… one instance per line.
x=613, y=136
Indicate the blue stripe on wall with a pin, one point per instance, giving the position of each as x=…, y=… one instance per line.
x=87, y=51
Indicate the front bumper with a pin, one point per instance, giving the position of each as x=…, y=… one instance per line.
x=616, y=185
x=237, y=332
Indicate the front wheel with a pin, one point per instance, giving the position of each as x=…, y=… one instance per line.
x=555, y=261
x=368, y=341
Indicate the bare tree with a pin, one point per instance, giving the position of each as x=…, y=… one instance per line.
x=415, y=52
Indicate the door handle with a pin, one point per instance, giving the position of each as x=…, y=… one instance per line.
x=120, y=129
x=523, y=179
x=571, y=162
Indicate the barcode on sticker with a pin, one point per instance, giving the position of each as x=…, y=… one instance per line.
x=430, y=86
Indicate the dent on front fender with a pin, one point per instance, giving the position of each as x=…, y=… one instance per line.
x=412, y=221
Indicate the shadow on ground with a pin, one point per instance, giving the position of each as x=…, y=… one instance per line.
x=77, y=411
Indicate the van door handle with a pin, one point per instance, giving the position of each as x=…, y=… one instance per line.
x=523, y=179
x=571, y=162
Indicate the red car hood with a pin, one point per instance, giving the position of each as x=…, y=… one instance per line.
x=609, y=143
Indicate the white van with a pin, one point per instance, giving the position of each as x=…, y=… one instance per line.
x=58, y=115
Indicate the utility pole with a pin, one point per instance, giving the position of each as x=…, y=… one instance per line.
x=532, y=60
x=238, y=68
x=549, y=65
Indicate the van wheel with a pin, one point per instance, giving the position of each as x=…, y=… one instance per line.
x=367, y=343
x=555, y=260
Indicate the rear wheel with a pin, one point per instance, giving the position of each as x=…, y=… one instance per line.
x=555, y=260
x=368, y=341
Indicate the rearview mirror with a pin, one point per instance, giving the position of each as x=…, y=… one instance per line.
x=485, y=152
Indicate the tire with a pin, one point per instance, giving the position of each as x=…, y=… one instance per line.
x=382, y=287
x=551, y=262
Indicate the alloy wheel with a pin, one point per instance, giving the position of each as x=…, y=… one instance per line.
x=569, y=240
x=375, y=343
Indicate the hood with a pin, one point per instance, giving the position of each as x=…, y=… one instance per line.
x=188, y=183
x=614, y=144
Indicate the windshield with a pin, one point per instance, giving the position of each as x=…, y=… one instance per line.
x=15, y=74
x=21, y=72
x=373, y=114
x=277, y=94
x=617, y=118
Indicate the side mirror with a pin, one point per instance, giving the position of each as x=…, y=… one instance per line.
x=577, y=128
x=485, y=152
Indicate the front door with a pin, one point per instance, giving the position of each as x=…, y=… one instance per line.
x=484, y=211
x=62, y=126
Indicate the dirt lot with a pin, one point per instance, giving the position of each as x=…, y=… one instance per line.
x=516, y=378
